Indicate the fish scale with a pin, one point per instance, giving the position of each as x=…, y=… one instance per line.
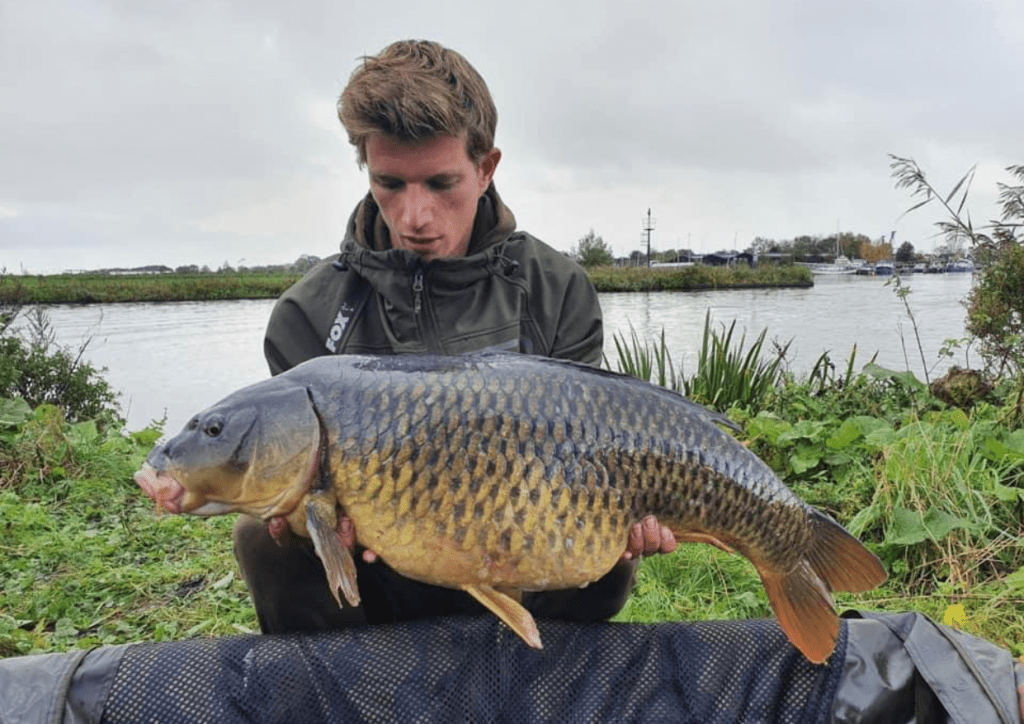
x=503, y=473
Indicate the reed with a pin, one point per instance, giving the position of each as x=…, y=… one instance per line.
x=728, y=373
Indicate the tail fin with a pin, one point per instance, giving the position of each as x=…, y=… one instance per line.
x=840, y=559
x=801, y=598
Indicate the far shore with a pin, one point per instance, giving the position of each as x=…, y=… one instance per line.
x=95, y=288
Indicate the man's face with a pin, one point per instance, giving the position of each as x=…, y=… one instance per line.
x=427, y=191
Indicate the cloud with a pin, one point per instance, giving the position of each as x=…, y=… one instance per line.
x=150, y=131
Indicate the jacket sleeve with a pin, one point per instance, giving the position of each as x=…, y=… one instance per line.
x=301, y=319
x=291, y=336
x=579, y=334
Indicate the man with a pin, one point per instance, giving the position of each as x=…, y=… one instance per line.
x=431, y=263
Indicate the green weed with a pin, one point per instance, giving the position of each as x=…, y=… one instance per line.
x=85, y=558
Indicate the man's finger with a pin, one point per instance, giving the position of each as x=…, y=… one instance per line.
x=668, y=541
x=651, y=535
x=635, y=544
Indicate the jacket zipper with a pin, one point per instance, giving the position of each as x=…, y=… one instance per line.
x=417, y=291
x=424, y=315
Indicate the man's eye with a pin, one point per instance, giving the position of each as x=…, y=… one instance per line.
x=441, y=184
x=389, y=183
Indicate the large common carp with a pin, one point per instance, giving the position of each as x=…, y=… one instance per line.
x=501, y=473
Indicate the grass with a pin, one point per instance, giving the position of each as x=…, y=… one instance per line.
x=86, y=560
x=107, y=288
x=697, y=278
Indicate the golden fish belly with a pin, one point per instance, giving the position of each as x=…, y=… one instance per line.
x=515, y=531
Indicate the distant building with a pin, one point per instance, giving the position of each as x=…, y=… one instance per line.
x=728, y=258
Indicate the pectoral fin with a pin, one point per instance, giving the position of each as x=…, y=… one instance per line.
x=321, y=522
x=509, y=611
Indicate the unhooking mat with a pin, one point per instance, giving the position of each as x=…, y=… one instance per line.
x=886, y=669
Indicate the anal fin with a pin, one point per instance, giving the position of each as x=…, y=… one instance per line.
x=509, y=611
x=699, y=537
x=321, y=522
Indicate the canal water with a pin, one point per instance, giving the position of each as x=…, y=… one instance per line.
x=174, y=359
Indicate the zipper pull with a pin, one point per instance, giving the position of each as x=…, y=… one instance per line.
x=417, y=291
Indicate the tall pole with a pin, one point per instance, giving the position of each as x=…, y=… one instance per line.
x=648, y=228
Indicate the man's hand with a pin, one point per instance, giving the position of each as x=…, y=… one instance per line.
x=647, y=538
x=347, y=535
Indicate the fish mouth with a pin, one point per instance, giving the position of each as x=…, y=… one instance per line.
x=168, y=492
x=164, y=489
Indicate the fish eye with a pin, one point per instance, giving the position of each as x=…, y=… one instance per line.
x=213, y=428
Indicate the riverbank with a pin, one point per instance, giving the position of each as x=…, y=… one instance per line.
x=111, y=288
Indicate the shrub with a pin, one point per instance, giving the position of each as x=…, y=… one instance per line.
x=995, y=307
x=41, y=372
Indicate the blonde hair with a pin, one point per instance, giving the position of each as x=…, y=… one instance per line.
x=415, y=90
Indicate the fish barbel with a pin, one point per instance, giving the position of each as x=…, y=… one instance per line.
x=497, y=473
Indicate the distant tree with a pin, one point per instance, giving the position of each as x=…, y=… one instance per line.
x=187, y=269
x=761, y=245
x=806, y=246
x=592, y=250
x=905, y=254
x=637, y=258
x=849, y=244
x=872, y=252
x=305, y=262
x=668, y=256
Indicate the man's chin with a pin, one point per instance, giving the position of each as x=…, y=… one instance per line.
x=435, y=250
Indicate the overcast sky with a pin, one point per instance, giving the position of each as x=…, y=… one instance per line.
x=175, y=132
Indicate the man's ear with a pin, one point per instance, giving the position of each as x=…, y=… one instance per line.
x=488, y=164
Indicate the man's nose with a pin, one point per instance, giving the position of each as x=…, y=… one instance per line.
x=417, y=209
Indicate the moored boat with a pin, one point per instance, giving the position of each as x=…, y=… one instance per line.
x=960, y=266
x=842, y=265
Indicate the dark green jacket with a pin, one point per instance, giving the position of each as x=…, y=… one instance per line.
x=511, y=292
